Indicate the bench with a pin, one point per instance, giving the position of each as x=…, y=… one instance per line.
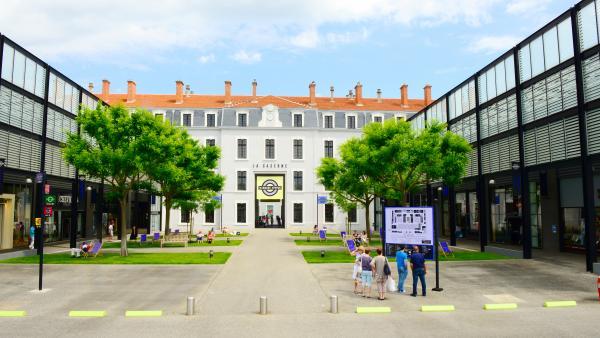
x=179, y=237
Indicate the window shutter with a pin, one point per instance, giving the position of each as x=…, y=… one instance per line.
x=591, y=78
x=572, y=144
x=557, y=141
x=529, y=145
x=542, y=144
x=554, y=94
x=569, y=89
x=512, y=111
x=540, y=102
x=527, y=105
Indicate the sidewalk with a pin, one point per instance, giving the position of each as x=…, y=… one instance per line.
x=266, y=264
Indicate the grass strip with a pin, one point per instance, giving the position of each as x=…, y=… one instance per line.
x=314, y=256
x=133, y=258
x=137, y=245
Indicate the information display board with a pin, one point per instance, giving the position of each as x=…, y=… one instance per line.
x=409, y=226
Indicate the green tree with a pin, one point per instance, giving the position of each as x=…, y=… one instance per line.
x=348, y=179
x=194, y=202
x=403, y=160
x=182, y=169
x=110, y=147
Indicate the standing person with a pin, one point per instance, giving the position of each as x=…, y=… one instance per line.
x=111, y=228
x=31, y=237
x=357, y=270
x=366, y=274
x=419, y=270
x=402, y=267
x=378, y=265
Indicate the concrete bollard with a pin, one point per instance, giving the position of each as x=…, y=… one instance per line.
x=263, y=305
x=333, y=304
x=190, y=306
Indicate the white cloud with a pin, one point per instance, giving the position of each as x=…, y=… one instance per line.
x=243, y=56
x=526, y=6
x=493, y=44
x=128, y=33
x=206, y=58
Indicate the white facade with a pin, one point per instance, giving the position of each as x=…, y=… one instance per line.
x=276, y=124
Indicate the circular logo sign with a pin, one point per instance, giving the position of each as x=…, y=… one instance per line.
x=269, y=187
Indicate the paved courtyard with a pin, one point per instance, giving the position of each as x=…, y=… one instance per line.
x=269, y=263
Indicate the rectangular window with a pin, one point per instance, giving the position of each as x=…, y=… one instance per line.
x=185, y=216
x=551, y=57
x=328, y=148
x=328, y=121
x=210, y=142
x=187, y=120
x=565, y=40
x=537, y=56
x=378, y=119
x=241, y=180
x=209, y=216
x=329, y=213
x=270, y=149
x=159, y=117
x=297, y=181
x=297, y=212
x=298, y=149
x=298, y=120
x=524, y=63
x=588, y=31
x=241, y=213
x=210, y=120
x=352, y=215
x=351, y=122
x=242, y=120
x=400, y=118
x=242, y=148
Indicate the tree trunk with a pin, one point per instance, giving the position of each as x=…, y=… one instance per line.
x=367, y=221
x=124, y=204
x=168, y=205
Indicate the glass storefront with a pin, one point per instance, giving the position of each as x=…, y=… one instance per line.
x=571, y=205
x=505, y=217
x=535, y=215
x=467, y=215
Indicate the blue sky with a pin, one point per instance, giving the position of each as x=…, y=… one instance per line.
x=284, y=44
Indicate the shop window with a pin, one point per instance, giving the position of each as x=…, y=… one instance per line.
x=329, y=213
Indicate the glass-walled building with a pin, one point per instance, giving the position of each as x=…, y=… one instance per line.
x=532, y=117
x=38, y=107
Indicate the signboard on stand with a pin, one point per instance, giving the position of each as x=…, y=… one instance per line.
x=409, y=226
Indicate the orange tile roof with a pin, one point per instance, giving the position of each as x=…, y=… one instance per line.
x=218, y=101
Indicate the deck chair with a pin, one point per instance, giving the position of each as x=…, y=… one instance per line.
x=343, y=234
x=143, y=239
x=322, y=235
x=446, y=248
x=95, y=250
x=350, y=245
x=156, y=236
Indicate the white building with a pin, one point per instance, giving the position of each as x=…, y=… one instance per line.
x=270, y=147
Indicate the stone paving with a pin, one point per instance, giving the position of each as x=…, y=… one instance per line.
x=269, y=263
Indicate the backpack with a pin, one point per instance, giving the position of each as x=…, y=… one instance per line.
x=386, y=268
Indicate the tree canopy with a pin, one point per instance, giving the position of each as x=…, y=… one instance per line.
x=133, y=150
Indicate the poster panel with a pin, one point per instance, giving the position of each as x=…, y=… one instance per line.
x=409, y=226
x=269, y=187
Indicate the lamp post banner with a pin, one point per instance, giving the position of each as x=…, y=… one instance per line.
x=409, y=226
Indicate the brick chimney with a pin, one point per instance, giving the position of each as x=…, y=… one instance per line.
x=312, y=87
x=130, y=91
x=254, y=84
x=404, y=94
x=228, y=92
x=358, y=90
x=379, y=100
x=105, y=87
x=331, y=91
x=427, y=93
x=91, y=87
x=178, y=92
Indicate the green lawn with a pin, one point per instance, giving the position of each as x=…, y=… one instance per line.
x=314, y=257
x=335, y=241
x=133, y=258
x=373, y=235
x=136, y=245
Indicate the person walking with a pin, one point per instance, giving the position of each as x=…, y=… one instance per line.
x=378, y=265
x=357, y=269
x=111, y=228
x=366, y=273
x=419, y=270
x=402, y=267
x=31, y=237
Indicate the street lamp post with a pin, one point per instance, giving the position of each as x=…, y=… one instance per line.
x=436, y=244
x=29, y=200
